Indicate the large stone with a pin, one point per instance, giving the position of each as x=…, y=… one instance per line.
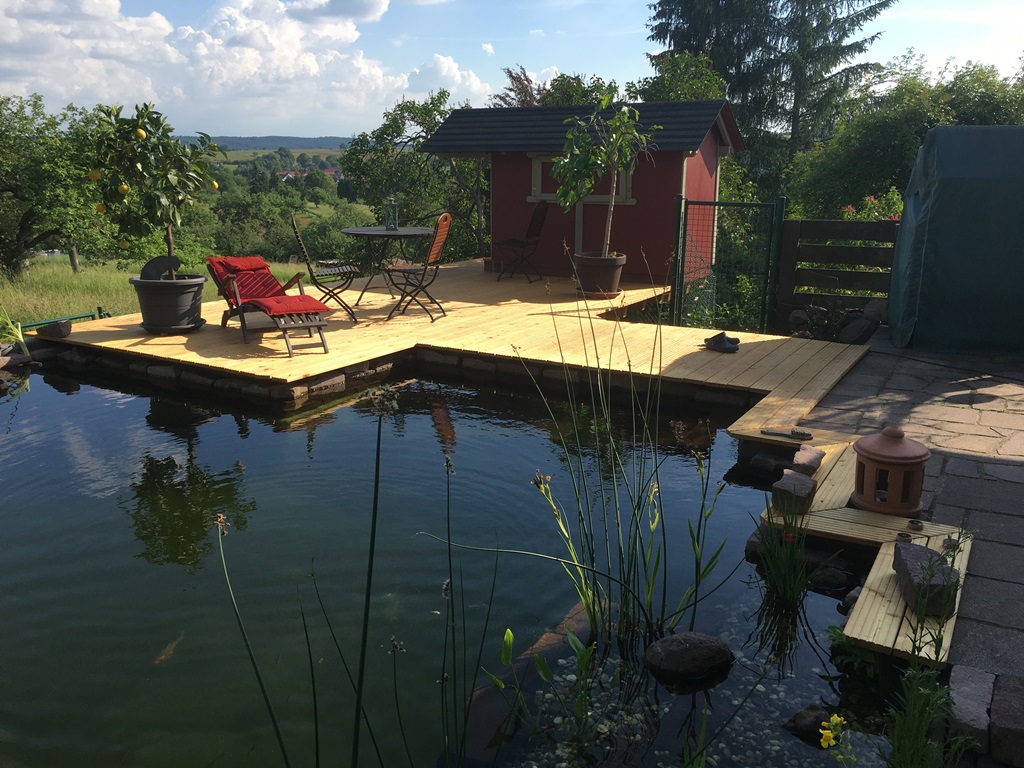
x=858, y=331
x=807, y=460
x=1006, y=729
x=926, y=581
x=688, y=661
x=806, y=723
x=793, y=494
x=58, y=329
x=971, y=692
x=877, y=309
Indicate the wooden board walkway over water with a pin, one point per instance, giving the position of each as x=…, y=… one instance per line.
x=545, y=324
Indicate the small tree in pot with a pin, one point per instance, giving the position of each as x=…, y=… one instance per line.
x=146, y=177
x=608, y=142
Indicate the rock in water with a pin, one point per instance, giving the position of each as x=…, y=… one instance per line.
x=689, y=661
x=806, y=723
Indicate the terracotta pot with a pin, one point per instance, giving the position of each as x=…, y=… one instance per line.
x=598, y=276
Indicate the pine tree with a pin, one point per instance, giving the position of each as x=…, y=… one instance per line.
x=786, y=62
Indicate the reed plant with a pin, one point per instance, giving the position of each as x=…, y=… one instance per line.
x=10, y=331
x=612, y=520
x=785, y=581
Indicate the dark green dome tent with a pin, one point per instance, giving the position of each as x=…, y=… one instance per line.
x=958, y=267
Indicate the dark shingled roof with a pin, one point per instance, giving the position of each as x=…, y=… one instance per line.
x=684, y=124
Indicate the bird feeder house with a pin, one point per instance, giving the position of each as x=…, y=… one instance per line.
x=890, y=473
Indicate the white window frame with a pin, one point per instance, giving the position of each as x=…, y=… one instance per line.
x=623, y=192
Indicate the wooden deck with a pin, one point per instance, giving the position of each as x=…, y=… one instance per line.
x=880, y=619
x=544, y=323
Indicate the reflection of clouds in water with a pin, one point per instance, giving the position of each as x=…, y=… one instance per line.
x=103, y=448
x=104, y=467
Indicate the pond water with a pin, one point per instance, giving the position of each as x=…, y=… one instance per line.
x=120, y=646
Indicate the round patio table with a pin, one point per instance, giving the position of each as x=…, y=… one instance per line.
x=378, y=240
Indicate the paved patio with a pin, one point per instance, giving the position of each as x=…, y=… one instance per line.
x=969, y=411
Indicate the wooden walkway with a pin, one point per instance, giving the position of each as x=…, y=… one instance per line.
x=880, y=620
x=544, y=323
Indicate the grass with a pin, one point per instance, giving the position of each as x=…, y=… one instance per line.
x=48, y=289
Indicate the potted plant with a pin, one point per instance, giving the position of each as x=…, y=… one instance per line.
x=146, y=177
x=608, y=142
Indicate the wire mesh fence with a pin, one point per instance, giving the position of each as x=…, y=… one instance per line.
x=723, y=274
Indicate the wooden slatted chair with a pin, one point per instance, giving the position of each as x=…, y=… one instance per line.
x=517, y=253
x=248, y=285
x=329, y=277
x=412, y=281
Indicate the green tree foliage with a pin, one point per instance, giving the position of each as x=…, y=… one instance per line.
x=679, y=77
x=387, y=163
x=43, y=180
x=607, y=143
x=575, y=91
x=145, y=176
x=874, y=146
x=733, y=34
x=521, y=90
x=560, y=91
x=787, y=62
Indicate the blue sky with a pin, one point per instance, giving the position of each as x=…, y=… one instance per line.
x=332, y=67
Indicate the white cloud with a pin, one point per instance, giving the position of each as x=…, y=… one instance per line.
x=488, y=48
x=536, y=33
x=444, y=72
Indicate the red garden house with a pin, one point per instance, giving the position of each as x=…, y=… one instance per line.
x=522, y=143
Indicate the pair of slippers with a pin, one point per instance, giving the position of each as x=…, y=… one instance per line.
x=722, y=343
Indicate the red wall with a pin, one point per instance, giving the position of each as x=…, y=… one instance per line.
x=643, y=229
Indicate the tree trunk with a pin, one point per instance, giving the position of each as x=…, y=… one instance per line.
x=169, y=239
x=611, y=210
x=73, y=258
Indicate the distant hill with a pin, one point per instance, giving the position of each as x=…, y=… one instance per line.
x=271, y=143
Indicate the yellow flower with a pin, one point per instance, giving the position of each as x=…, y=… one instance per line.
x=828, y=738
x=101, y=208
x=836, y=721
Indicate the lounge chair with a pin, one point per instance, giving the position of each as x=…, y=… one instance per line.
x=328, y=277
x=412, y=280
x=248, y=285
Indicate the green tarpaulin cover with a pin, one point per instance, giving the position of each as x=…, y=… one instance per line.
x=958, y=268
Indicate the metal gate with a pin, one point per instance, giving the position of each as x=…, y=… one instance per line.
x=724, y=265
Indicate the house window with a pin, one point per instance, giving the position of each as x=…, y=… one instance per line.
x=543, y=184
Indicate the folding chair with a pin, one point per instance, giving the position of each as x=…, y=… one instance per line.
x=517, y=253
x=330, y=278
x=248, y=285
x=412, y=280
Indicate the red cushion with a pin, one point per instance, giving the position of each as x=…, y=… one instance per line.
x=222, y=266
x=289, y=305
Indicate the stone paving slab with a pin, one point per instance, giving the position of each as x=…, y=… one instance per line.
x=989, y=647
x=969, y=411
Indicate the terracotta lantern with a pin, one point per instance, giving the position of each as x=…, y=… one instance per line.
x=890, y=473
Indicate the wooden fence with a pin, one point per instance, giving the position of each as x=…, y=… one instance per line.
x=835, y=264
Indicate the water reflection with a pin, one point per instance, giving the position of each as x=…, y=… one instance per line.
x=174, y=504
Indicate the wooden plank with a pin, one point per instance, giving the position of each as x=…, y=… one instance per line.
x=820, y=438
x=843, y=279
x=884, y=622
x=863, y=527
x=852, y=255
x=836, y=484
x=838, y=229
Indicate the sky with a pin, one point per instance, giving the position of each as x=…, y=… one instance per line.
x=333, y=67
